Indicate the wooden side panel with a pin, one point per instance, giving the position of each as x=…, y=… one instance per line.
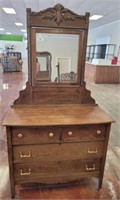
x=102, y=73
x=90, y=71
x=107, y=74
x=104, y=155
x=10, y=161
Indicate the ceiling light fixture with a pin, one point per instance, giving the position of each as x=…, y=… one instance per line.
x=9, y=11
x=23, y=30
x=96, y=17
x=18, y=24
x=8, y=33
x=2, y=29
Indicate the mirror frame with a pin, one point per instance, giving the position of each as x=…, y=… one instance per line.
x=56, y=20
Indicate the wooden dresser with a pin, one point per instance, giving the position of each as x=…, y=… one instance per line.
x=56, y=133
x=57, y=144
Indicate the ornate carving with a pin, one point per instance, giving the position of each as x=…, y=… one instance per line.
x=58, y=14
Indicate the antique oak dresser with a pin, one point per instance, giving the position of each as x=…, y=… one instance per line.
x=56, y=133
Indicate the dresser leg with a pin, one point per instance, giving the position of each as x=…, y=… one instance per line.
x=12, y=191
x=12, y=194
x=100, y=183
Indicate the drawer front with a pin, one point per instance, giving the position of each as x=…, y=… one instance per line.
x=84, y=132
x=65, y=151
x=51, y=134
x=55, y=172
x=30, y=135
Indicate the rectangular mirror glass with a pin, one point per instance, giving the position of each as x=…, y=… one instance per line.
x=57, y=57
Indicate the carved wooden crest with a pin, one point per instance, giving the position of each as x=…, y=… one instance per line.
x=58, y=14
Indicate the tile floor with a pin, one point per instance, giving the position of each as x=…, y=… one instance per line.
x=108, y=98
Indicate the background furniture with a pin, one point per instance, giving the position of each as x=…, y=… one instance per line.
x=71, y=77
x=104, y=51
x=12, y=61
x=108, y=74
x=118, y=54
x=56, y=133
x=44, y=75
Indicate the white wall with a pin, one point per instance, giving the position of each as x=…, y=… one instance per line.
x=20, y=47
x=109, y=33
x=62, y=46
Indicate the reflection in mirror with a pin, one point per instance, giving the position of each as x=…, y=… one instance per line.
x=63, y=49
x=43, y=66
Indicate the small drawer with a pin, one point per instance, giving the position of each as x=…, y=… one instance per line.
x=55, y=172
x=83, y=132
x=30, y=135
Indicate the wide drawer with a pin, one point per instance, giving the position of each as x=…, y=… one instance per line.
x=84, y=132
x=57, y=171
x=31, y=135
x=40, y=153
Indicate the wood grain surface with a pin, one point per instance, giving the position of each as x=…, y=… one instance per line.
x=56, y=115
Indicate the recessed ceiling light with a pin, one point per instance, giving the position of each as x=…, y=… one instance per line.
x=23, y=30
x=8, y=33
x=2, y=29
x=9, y=10
x=18, y=24
x=96, y=17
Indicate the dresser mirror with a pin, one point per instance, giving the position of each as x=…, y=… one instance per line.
x=58, y=56
x=60, y=62
x=63, y=35
x=57, y=39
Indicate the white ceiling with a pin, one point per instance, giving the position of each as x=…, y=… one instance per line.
x=109, y=8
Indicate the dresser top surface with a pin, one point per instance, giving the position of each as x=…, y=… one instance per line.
x=56, y=115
